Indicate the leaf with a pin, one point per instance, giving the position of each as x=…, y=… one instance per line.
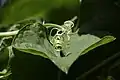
x=30, y=39
x=80, y=45
x=5, y=58
x=4, y=52
x=33, y=39
x=103, y=41
x=19, y=10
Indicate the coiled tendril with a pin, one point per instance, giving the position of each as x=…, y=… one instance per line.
x=60, y=35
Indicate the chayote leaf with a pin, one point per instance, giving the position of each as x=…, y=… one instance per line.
x=33, y=39
x=30, y=39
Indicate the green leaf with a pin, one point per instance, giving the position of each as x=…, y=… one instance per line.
x=18, y=10
x=33, y=39
x=30, y=39
x=80, y=45
x=103, y=41
x=4, y=51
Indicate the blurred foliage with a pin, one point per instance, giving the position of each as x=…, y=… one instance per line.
x=51, y=10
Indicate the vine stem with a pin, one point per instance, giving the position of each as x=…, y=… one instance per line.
x=2, y=34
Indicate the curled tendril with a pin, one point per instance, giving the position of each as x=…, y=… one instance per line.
x=61, y=37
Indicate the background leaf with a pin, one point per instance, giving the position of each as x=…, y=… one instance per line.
x=4, y=51
x=50, y=10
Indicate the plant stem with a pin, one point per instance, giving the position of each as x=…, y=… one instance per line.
x=2, y=34
x=50, y=24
